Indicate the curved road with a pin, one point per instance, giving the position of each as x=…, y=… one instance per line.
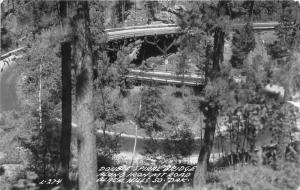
x=9, y=101
x=8, y=97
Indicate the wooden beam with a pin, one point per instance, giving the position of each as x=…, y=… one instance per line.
x=11, y=52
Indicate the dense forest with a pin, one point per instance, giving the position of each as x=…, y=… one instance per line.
x=187, y=95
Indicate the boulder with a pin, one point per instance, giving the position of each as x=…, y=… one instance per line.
x=276, y=89
x=1, y=132
x=2, y=121
x=2, y=156
x=165, y=17
x=12, y=171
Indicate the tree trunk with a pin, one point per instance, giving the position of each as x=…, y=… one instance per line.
x=66, y=125
x=219, y=40
x=87, y=157
x=211, y=109
x=210, y=114
x=66, y=129
x=283, y=141
x=250, y=13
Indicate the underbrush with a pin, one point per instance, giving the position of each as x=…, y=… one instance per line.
x=260, y=177
x=11, y=132
x=249, y=177
x=178, y=101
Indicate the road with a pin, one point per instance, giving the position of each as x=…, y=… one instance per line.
x=8, y=96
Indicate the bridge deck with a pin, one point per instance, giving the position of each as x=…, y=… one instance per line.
x=141, y=31
x=164, y=29
x=189, y=79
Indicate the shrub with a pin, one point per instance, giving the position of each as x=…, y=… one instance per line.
x=107, y=148
x=181, y=143
x=152, y=110
x=251, y=177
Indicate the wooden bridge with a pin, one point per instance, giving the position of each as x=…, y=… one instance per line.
x=151, y=30
x=190, y=79
x=167, y=77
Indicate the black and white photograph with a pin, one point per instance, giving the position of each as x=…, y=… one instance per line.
x=150, y=95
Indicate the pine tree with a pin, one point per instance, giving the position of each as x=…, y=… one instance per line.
x=208, y=25
x=87, y=153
